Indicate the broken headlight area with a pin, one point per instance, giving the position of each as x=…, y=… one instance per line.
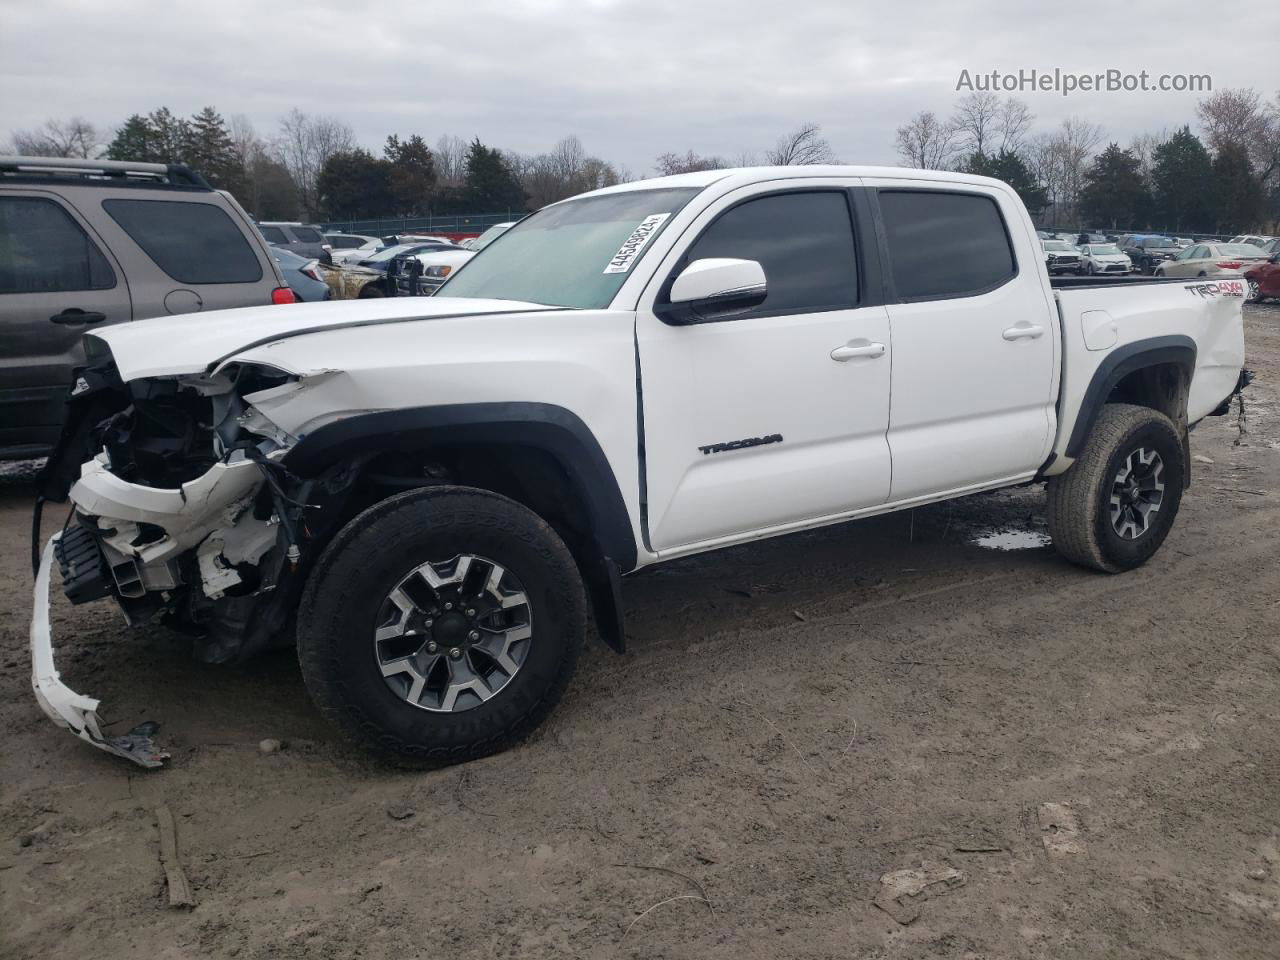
x=182, y=508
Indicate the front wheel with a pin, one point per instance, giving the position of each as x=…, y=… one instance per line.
x=1116, y=504
x=441, y=625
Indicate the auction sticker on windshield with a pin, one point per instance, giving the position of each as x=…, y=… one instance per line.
x=630, y=250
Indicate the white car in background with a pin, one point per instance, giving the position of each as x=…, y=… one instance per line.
x=351, y=247
x=1060, y=256
x=476, y=244
x=1104, y=258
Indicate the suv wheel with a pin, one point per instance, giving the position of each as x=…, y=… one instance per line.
x=1255, y=292
x=1116, y=504
x=441, y=625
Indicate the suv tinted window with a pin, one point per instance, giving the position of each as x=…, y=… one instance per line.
x=191, y=242
x=945, y=244
x=272, y=234
x=307, y=235
x=804, y=241
x=43, y=250
x=345, y=243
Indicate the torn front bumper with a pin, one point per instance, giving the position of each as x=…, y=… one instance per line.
x=65, y=707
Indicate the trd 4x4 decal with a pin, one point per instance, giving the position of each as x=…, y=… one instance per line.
x=1223, y=288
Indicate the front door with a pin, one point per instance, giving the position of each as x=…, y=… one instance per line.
x=775, y=415
x=56, y=283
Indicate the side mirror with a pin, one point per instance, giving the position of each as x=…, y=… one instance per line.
x=708, y=289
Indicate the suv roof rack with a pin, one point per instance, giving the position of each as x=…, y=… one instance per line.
x=176, y=174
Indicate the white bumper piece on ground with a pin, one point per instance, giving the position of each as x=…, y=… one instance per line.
x=63, y=705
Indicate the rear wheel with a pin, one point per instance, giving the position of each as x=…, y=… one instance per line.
x=441, y=625
x=1255, y=292
x=1116, y=504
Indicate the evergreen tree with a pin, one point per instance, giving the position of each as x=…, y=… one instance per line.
x=1237, y=195
x=1182, y=180
x=491, y=186
x=412, y=174
x=1114, y=192
x=355, y=185
x=134, y=141
x=170, y=136
x=210, y=152
x=1013, y=170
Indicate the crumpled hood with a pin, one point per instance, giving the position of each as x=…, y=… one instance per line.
x=193, y=342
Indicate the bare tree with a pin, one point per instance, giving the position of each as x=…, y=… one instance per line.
x=688, y=162
x=1013, y=124
x=927, y=142
x=802, y=147
x=977, y=121
x=1144, y=147
x=1231, y=116
x=451, y=160
x=76, y=137
x=566, y=169
x=305, y=144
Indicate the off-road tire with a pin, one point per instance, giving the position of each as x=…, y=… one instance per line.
x=1079, y=500
x=339, y=608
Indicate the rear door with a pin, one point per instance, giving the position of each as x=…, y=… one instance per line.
x=57, y=280
x=750, y=422
x=974, y=339
x=185, y=251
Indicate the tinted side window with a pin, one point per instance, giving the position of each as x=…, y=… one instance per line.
x=43, y=250
x=307, y=235
x=345, y=243
x=191, y=242
x=804, y=241
x=945, y=244
x=272, y=234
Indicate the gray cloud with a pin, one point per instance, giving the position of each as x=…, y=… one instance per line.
x=631, y=79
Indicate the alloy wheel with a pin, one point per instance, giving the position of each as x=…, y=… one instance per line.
x=1136, y=493
x=452, y=634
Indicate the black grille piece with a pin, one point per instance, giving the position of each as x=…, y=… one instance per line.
x=85, y=575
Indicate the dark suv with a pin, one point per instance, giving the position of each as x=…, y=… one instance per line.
x=304, y=239
x=90, y=242
x=1147, y=253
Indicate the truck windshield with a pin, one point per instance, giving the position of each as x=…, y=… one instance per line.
x=572, y=254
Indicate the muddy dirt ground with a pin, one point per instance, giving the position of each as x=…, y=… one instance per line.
x=1075, y=765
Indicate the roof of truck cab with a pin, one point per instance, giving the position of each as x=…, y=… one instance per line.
x=744, y=176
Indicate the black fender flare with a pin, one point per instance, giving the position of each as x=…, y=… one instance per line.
x=547, y=427
x=1117, y=365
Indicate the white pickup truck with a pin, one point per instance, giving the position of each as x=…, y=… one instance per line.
x=428, y=496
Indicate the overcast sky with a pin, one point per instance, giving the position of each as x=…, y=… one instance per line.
x=631, y=79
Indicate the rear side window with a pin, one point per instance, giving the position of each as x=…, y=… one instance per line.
x=43, y=250
x=346, y=243
x=191, y=242
x=272, y=234
x=804, y=242
x=307, y=235
x=945, y=244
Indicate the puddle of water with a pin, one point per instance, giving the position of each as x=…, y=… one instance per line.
x=1013, y=540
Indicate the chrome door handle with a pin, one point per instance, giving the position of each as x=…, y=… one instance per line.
x=1023, y=331
x=848, y=352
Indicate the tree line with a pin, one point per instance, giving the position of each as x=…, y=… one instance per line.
x=313, y=168
x=1223, y=179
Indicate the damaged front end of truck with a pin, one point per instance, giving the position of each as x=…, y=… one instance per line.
x=184, y=512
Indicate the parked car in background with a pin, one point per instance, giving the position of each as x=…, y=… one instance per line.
x=1253, y=239
x=1212, y=260
x=304, y=239
x=1090, y=238
x=1061, y=257
x=88, y=243
x=476, y=244
x=1264, y=278
x=384, y=255
x=1104, y=258
x=1148, y=252
x=302, y=275
x=351, y=247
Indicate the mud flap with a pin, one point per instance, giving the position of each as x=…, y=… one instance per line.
x=65, y=707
